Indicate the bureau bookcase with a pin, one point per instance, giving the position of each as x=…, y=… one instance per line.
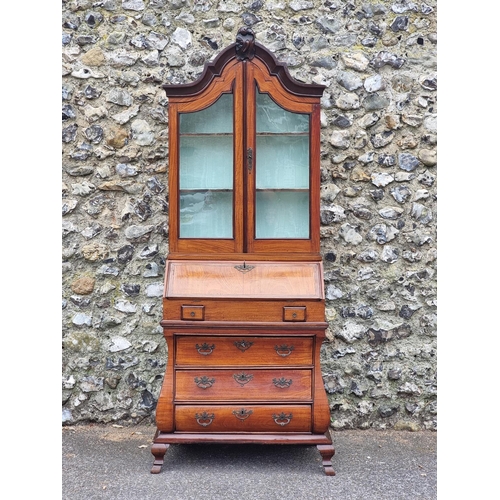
x=243, y=306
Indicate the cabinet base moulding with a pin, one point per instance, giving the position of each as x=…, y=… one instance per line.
x=163, y=440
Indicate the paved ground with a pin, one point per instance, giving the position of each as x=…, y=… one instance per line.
x=108, y=462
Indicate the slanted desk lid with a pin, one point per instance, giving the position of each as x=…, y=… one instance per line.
x=242, y=280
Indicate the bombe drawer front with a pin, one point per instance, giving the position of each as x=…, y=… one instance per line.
x=243, y=351
x=243, y=385
x=246, y=418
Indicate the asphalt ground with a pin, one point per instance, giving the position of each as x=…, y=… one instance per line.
x=114, y=462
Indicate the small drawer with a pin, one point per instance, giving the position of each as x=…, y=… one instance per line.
x=194, y=313
x=294, y=313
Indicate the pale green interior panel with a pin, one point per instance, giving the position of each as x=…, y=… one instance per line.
x=206, y=162
x=206, y=214
x=282, y=161
x=273, y=118
x=282, y=214
x=206, y=171
x=216, y=119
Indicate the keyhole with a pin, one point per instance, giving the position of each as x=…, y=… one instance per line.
x=192, y=314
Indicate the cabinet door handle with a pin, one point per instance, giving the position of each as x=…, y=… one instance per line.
x=282, y=419
x=284, y=350
x=205, y=349
x=204, y=419
x=249, y=160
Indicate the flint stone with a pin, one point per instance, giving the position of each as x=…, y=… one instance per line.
x=381, y=233
x=348, y=101
x=401, y=194
x=126, y=307
x=428, y=157
x=154, y=290
x=332, y=214
x=382, y=139
x=351, y=332
x=389, y=254
x=355, y=61
x=369, y=255
x=138, y=232
x=69, y=133
x=120, y=97
x=118, y=344
x=126, y=170
x=126, y=115
x=350, y=235
x=333, y=293
x=391, y=212
x=136, y=5
x=141, y=132
x=182, y=38
x=369, y=120
x=421, y=194
x=340, y=139
x=384, y=58
x=421, y=213
x=375, y=101
x=95, y=251
x=81, y=319
x=349, y=81
x=329, y=192
x=374, y=83
x=381, y=179
x=68, y=206
x=408, y=162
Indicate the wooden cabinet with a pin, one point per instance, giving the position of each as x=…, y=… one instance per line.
x=243, y=308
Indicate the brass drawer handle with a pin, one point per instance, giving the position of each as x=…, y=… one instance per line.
x=243, y=345
x=205, y=349
x=282, y=419
x=283, y=350
x=204, y=382
x=242, y=414
x=282, y=383
x=242, y=378
x=204, y=419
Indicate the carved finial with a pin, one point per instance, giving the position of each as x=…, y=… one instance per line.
x=245, y=43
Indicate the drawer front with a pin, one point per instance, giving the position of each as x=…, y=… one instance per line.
x=246, y=418
x=243, y=385
x=193, y=313
x=294, y=314
x=243, y=351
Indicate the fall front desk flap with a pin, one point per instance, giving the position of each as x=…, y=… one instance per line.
x=239, y=279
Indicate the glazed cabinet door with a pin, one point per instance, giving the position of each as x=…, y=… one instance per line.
x=206, y=146
x=283, y=135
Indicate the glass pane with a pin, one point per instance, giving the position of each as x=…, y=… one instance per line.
x=206, y=171
x=206, y=214
x=282, y=214
x=206, y=162
x=282, y=161
x=273, y=118
x=216, y=119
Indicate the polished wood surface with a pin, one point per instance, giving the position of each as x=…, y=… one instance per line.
x=244, y=314
x=242, y=350
x=253, y=418
x=249, y=384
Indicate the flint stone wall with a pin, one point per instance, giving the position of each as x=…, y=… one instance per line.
x=378, y=207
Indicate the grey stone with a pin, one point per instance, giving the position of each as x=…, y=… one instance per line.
x=408, y=162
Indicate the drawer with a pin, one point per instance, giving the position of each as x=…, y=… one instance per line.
x=246, y=418
x=294, y=313
x=243, y=385
x=193, y=313
x=243, y=351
